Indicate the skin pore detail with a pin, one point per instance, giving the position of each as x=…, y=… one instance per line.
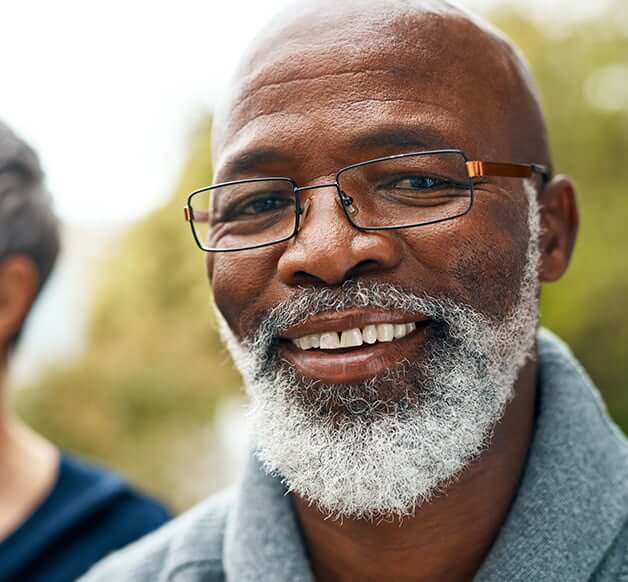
x=339, y=84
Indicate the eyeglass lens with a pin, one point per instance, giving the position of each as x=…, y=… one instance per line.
x=391, y=193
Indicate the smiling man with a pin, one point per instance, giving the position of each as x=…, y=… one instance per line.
x=383, y=218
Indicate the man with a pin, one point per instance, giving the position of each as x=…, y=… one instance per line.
x=58, y=515
x=382, y=304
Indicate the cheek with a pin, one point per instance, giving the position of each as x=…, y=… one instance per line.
x=493, y=265
x=479, y=258
x=240, y=283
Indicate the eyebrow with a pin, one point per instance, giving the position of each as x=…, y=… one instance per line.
x=398, y=137
x=253, y=160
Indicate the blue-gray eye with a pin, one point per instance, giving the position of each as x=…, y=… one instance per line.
x=265, y=205
x=258, y=205
x=419, y=183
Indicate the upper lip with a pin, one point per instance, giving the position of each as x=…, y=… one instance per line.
x=343, y=320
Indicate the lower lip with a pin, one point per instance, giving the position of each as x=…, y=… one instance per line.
x=357, y=364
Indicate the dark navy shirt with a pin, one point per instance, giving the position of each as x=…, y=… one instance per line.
x=87, y=514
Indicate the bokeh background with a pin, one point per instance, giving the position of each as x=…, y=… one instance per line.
x=121, y=362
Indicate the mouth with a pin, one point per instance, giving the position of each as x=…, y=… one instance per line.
x=345, y=348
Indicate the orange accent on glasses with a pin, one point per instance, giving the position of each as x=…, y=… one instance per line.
x=476, y=168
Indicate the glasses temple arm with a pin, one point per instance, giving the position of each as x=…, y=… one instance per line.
x=477, y=168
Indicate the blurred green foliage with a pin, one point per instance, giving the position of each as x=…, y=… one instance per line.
x=142, y=396
x=574, y=68
x=153, y=370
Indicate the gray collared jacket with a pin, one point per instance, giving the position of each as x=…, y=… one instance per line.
x=568, y=521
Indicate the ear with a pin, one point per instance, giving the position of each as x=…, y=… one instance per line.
x=18, y=286
x=559, y=223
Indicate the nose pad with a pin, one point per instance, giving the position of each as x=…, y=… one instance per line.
x=346, y=202
x=304, y=210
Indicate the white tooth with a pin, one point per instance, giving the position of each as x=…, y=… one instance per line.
x=410, y=327
x=330, y=340
x=306, y=342
x=400, y=330
x=315, y=340
x=351, y=338
x=369, y=334
x=385, y=332
x=297, y=342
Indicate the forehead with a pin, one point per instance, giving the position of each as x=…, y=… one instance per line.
x=421, y=77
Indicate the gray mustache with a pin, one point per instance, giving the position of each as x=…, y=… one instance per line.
x=308, y=302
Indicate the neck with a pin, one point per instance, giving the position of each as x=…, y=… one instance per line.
x=28, y=465
x=4, y=412
x=448, y=538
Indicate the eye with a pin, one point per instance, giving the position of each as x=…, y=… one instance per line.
x=258, y=204
x=418, y=182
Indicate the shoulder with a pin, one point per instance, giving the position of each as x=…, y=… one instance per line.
x=191, y=543
x=561, y=369
x=104, y=496
x=597, y=459
x=614, y=566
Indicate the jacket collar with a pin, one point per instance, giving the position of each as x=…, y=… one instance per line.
x=572, y=501
x=570, y=505
x=262, y=535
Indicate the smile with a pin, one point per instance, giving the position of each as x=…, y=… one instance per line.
x=349, y=347
x=355, y=337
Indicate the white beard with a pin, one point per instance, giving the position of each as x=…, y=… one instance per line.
x=356, y=453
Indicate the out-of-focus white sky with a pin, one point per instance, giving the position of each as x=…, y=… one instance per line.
x=108, y=92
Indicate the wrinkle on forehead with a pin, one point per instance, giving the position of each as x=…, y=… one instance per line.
x=341, y=76
x=357, y=106
x=343, y=90
x=371, y=128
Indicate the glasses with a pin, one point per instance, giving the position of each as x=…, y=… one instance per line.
x=388, y=193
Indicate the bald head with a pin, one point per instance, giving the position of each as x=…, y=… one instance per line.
x=432, y=52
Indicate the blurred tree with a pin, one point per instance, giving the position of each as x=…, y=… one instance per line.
x=142, y=396
x=582, y=72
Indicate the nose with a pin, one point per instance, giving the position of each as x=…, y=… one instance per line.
x=329, y=250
